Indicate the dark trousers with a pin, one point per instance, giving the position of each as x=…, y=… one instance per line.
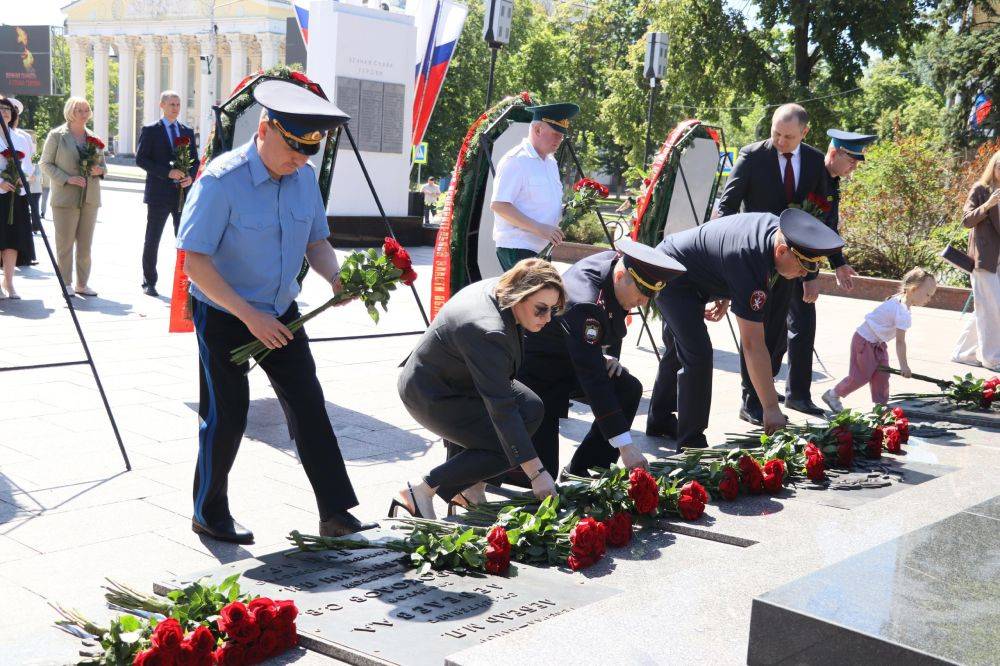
x=34, y=200
x=779, y=299
x=594, y=449
x=474, y=450
x=799, y=344
x=156, y=219
x=684, y=379
x=508, y=256
x=225, y=399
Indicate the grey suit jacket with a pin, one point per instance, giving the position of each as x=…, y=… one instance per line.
x=471, y=350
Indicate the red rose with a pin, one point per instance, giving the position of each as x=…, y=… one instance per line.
x=774, y=475
x=94, y=141
x=408, y=277
x=643, y=490
x=182, y=141
x=497, y=551
x=401, y=259
x=189, y=655
x=992, y=383
x=289, y=637
x=263, y=612
x=898, y=412
x=815, y=463
x=892, y=440
x=233, y=615
x=253, y=653
x=903, y=426
x=270, y=642
x=230, y=654
x=692, y=500
x=286, y=612
x=587, y=543
x=729, y=486
x=843, y=435
x=390, y=247
x=151, y=657
x=201, y=639
x=874, y=447
x=168, y=636
x=751, y=474
x=845, y=455
x=987, y=400
x=619, y=529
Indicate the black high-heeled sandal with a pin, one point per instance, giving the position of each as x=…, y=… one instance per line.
x=454, y=506
x=396, y=505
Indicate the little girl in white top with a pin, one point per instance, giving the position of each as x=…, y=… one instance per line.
x=891, y=319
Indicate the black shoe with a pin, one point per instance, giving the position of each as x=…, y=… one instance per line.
x=665, y=428
x=342, y=523
x=696, y=442
x=806, y=406
x=149, y=290
x=226, y=529
x=752, y=414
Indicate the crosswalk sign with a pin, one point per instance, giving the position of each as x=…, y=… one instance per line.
x=420, y=153
x=726, y=161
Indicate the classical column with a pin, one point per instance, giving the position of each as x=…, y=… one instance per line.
x=151, y=77
x=237, y=60
x=206, y=86
x=270, y=44
x=126, y=94
x=78, y=66
x=100, y=103
x=179, y=68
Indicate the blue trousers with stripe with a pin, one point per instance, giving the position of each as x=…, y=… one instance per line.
x=225, y=400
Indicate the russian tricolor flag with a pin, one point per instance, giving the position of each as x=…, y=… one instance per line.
x=302, y=17
x=439, y=25
x=980, y=110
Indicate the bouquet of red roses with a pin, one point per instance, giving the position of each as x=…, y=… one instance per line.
x=586, y=193
x=367, y=276
x=183, y=161
x=816, y=205
x=9, y=174
x=89, y=155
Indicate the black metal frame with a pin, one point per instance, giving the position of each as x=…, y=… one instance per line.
x=76, y=322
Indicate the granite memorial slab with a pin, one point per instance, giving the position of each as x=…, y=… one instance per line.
x=929, y=597
x=939, y=409
x=368, y=607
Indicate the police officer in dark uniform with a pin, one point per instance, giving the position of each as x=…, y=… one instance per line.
x=577, y=353
x=253, y=215
x=845, y=153
x=739, y=259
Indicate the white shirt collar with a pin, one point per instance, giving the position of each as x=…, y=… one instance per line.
x=526, y=142
x=795, y=153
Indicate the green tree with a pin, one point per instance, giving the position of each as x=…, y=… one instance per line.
x=892, y=103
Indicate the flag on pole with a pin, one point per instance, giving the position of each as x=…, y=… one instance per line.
x=439, y=25
x=980, y=110
x=302, y=18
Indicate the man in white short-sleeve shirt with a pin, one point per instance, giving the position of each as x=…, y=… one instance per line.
x=527, y=190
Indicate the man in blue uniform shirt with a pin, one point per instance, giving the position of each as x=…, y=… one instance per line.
x=735, y=259
x=578, y=352
x=251, y=217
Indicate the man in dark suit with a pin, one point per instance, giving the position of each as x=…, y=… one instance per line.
x=155, y=155
x=770, y=176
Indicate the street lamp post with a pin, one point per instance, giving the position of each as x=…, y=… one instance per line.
x=653, y=68
x=497, y=20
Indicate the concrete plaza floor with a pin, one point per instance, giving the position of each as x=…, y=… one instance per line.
x=70, y=515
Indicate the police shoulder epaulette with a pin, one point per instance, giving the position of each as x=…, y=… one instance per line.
x=226, y=163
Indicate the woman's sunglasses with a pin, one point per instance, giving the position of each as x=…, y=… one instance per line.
x=541, y=310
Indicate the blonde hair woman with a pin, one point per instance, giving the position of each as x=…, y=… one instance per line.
x=459, y=384
x=74, y=221
x=981, y=215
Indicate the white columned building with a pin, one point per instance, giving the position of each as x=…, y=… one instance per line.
x=229, y=35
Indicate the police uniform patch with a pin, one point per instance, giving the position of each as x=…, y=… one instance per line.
x=592, y=332
x=757, y=300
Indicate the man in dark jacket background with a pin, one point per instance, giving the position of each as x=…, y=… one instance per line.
x=155, y=155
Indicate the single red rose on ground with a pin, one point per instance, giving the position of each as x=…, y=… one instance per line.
x=201, y=639
x=587, y=542
x=230, y=654
x=232, y=615
x=497, y=551
x=729, y=485
x=815, y=463
x=168, y=636
x=152, y=657
x=774, y=475
x=188, y=655
x=270, y=642
x=892, y=437
x=903, y=426
x=253, y=653
x=845, y=455
x=287, y=612
x=619, y=529
x=751, y=474
x=898, y=412
x=264, y=613
x=289, y=637
x=643, y=490
x=692, y=500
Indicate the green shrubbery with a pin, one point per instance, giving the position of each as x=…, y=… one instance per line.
x=586, y=230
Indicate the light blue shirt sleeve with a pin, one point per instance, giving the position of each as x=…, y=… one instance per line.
x=320, y=229
x=205, y=217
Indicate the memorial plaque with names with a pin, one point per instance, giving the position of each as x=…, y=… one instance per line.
x=348, y=98
x=376, y=111
x=394, y=94
x=370, y=117
x=369, y=607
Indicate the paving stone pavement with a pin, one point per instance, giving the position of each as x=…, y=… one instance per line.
x=70, y=515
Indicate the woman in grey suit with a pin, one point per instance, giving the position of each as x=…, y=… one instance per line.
x=459, y=384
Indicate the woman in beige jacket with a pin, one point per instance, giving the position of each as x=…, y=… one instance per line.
x=981, y=216
x=74, y=223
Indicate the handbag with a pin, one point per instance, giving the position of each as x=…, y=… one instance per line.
x=958, y=258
